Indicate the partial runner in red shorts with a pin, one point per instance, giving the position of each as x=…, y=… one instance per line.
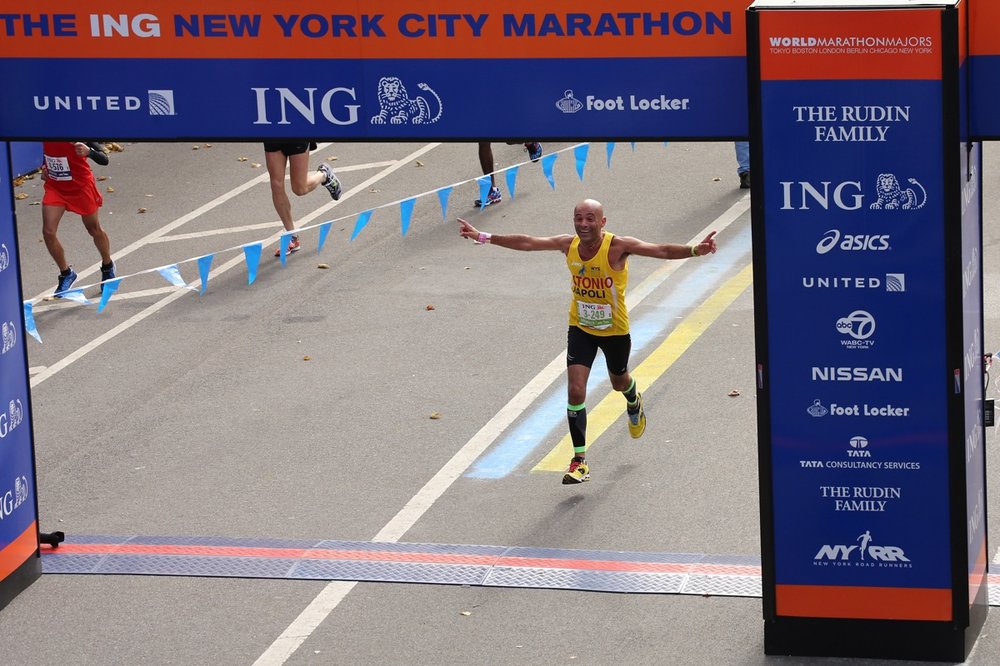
x=70, y=186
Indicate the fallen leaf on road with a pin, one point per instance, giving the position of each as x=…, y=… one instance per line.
x=307, y=358
x=323, y=266
x=142, y=210
x=435, y=415
x=430, y=307
x=733, y=393
x=21, y=195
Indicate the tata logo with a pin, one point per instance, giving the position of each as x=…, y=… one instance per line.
x=833, y=239
x=858, y=447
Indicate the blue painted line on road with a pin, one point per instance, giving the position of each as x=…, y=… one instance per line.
x=550, y=412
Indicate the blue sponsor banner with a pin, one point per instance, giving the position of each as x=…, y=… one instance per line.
x=854, y=236
x=379, y=100
x=17, y=482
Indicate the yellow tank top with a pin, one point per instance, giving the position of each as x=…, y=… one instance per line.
x=598, y=305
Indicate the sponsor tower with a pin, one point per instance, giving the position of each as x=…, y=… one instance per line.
x=867, y=285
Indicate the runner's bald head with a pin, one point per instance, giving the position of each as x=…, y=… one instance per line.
x=590, y=205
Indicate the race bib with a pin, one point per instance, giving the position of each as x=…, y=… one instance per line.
x=58, y=168
x=594, y=315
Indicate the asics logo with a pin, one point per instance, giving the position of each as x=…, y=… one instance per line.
x=852, y=242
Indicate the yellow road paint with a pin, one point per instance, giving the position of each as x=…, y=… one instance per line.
x=683, y=336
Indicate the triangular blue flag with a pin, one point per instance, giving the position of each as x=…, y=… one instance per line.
x=633, y=146
x=512, y=180
x=361, y=223
x=443, y=195
x=252, y=254
x=29, y=322
x=107, y=289
x=405, y=213
x=283, y=243
x=580, y=153
x=547, y=163
x=485, y=183
x=324, y=231
x=75, y=295
x=610, y=149
x=172, y=275
x=666, y=143
x=204, y=263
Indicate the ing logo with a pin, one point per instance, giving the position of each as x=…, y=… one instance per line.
x=396, y=107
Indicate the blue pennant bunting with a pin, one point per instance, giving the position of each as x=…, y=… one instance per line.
x=666, y=143
x=252, y=254
x=283, y=243
x=75, y=295
x=29, y=322
x=361, y=223
x=204, y=264
x=443, y=195
x=405, y=213
x=633, y=146
x=580, y=153
x=107, y=289
x=547, y=163
x=610, y=149
x=512, y=180
x=485, y=183
x=172, y=275
x=324, y=231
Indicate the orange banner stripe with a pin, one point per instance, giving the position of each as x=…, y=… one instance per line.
x=864, y=603
x=396, y=29
x=19, y=550
x=803, y=45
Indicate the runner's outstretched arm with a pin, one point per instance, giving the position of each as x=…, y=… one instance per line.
x=515, y=241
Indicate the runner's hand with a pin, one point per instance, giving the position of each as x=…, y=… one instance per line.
x=466, y=230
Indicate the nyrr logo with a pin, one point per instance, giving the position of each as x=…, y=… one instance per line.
x=864, y=554
x=833, y=239
x=8, y=336
x=12, y=418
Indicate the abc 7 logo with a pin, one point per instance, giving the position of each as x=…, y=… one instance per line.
x=860, y=325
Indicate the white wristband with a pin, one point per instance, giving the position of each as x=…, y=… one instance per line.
x=484, y=237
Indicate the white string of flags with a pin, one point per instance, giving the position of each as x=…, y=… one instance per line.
x=252, y=251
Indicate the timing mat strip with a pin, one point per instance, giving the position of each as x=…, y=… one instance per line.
x=440, y=564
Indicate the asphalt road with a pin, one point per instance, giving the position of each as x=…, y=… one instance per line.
x=172, y=413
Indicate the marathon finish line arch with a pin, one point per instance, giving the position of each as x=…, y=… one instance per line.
x=912, y=90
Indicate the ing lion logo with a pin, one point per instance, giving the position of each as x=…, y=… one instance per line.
x=8, y=337
x=397, y=108
x=892, y=197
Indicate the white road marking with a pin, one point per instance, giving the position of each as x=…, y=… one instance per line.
x=235, y=261
x=996, y=558
x=217, y=232
x=302, y=627
x=35, y=369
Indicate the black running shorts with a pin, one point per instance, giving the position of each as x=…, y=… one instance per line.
x=581, y=349
x=289, y=149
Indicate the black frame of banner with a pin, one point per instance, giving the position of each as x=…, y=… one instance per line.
x=880, y=639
